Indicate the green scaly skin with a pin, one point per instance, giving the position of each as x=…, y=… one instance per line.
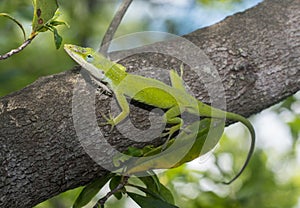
x=174, y=99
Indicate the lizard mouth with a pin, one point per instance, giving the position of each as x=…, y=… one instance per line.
x=74, y=48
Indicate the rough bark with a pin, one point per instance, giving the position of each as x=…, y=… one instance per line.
x=256, y=53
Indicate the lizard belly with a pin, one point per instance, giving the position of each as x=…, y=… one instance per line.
x=155, y=97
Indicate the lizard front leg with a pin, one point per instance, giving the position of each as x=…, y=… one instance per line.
x=124, y=110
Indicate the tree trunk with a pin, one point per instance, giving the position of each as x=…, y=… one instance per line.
x=257, y=57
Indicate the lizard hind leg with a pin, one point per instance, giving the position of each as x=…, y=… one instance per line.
x=170, y=132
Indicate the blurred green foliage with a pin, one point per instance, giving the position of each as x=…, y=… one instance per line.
x=260, y=186
x=63, y=200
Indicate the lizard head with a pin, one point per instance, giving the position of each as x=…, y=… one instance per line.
x=89, y=59
x=80, y=54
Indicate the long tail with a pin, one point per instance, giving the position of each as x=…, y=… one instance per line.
x=243, y=120
x=208, y=111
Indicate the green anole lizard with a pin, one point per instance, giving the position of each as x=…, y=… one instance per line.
x=174, y=99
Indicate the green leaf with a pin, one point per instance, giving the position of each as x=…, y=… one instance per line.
x=166, y=194
x=57, y=38
x=149, y=192
x=133, y=151
x=114, y=182
x=57, y=23
x=149, y=202
x=153, y=184
x=16, y=21
x=88, y=193
x=44, y=11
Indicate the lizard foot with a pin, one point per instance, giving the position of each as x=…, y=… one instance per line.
x=169, y=133
x=109, y=121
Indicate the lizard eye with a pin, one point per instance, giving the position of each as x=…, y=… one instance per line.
x=89, y=58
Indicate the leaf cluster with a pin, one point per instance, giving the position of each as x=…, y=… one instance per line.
x=44, y=18
x=155, y=194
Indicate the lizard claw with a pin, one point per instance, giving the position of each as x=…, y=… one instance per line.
x=169, y=133
x=109, y=121
x=171, y=130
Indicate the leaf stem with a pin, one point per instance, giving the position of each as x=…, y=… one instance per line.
x=102, y=201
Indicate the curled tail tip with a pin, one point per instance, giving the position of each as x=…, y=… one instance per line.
x=250, y=127
x=232, y=180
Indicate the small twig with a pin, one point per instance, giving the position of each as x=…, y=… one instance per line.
x=20, y=48
x=110, y=32
x=102, y=201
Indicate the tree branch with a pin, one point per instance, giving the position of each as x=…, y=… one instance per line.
x=257, y=54
x=20, y=48
x=108, y=36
